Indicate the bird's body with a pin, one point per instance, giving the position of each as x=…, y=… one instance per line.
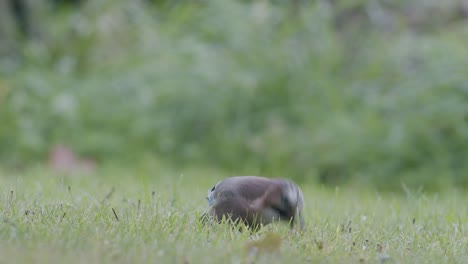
x=256, y=200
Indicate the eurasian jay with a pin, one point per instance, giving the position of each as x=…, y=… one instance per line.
x=256, y=201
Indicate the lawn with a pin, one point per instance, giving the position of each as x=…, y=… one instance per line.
x=149, y=215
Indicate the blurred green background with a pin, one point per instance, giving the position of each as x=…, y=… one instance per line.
x=364, y=92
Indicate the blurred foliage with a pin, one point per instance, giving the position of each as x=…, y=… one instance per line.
x=373, y=92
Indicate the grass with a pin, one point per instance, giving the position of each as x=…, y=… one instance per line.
x=149, y=215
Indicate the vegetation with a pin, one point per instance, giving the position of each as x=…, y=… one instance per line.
x=116, y=117
x=56, y=218
x=332, y=91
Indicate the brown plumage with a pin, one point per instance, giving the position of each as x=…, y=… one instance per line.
x=256, y=201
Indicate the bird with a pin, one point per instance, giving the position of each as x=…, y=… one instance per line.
x=256, y=201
